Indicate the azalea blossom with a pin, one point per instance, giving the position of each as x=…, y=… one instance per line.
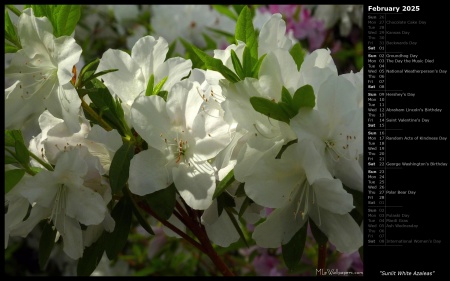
x=147, y=59
x=65, y=198
x=336, y=128
x=181, y=138
x=300, y=187
x=43, y=68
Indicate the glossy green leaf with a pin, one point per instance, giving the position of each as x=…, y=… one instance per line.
x=139, y=214
x=269, y=108
x=163, y=201
x=304, y=97
x=293, y=250
x=216, y=65
x=237, y=65
x=257, y=66
x=64, y=18
x=150, y=85
x=224, y=183
x=224, y=200
x=46, y=243
x=13, y=177
x=120, y=166
x=197, y=62
x=236, y=225
x=159, y=86
x=298, y=54
x=91, y=257
x=245, y=32
x=318, y=235
x=116, y=240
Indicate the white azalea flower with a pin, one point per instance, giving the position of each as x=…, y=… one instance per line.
x=63, y=197
x=300, y=187
x=181, y=138
x=262, y=134
x=147, y=59
x=43, y=68
x=336, y=128
x=56, y=138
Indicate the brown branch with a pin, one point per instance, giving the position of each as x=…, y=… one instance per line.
x=322, y=258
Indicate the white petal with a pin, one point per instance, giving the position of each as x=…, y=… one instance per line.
x=41, y=189
x=64, y=103
x=149, y=54
x=68, y=55
x=150, y=119
x=85, y=205
x=341, y=230
x=149, y=172
x=273, y=35
x=17, y=211
x=212, y=135
x=280, y=226
x=331, y=196
x=350, y=173
x=128, y=82
x=222, y=232
x=72, y=237
x=25, y=227
x=316, y=68
x=195, y=183
x=273, y=180
x=175, y=69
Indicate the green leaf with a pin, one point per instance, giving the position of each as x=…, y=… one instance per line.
x=64, y=18
x=216, y=65
x=163, y=94
x=11, y=35
x=87, y=71
x=12, y=177
x=91, y=257
x=240, y=190
x=67, y=17
x=255, y=70
x=10, y=160
x=150, y=85
x=245, y=32
x=247, y=62
x=22, y=153
x=138, y=214
x=116, y=240
x=46, y=243
x=224, y=200
x=171, y=50
x=159, y=86
x=288, y=109
x=318, y=235
x=224, y=183
x=247, y=202
x=104, y=104
x=236, y=225
x=293, y=250
x=304, y=97
x=237, y=65
x=211, y=44
x=10, y=48
x=120, y=166
x=9, y=138
x=14, y=10
x=223, y=9
x=269, y=108
x=286, y=96
x=298, y=54
x=163, y=201
x=98, y=74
